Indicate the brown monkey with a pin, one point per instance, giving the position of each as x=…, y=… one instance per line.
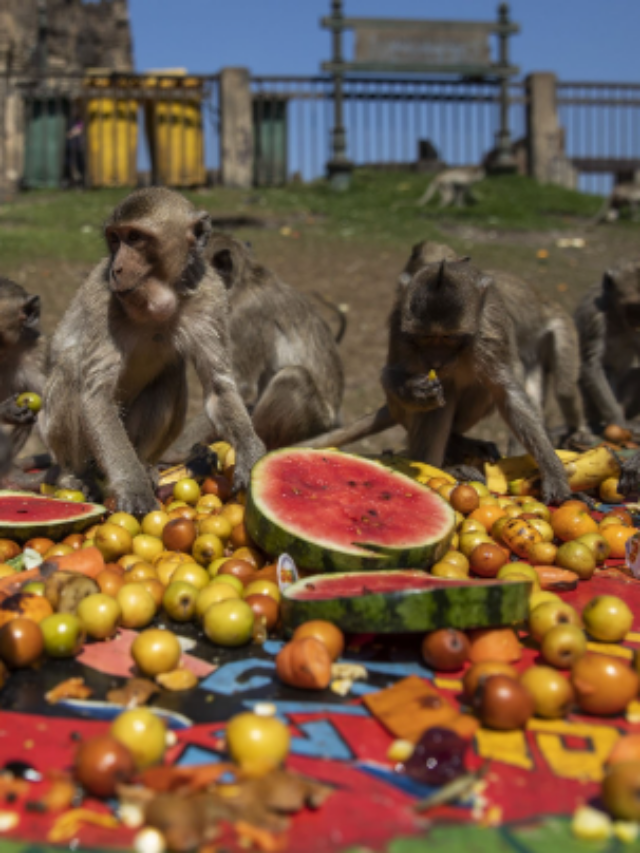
x=22, y=356
x=625, y=195
x=285, y=359
x=450, y=318
x=608, y=321
x=454, y=186
x=548, y=350
x=116, y=392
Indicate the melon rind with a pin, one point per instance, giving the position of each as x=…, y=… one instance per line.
x=56, y=530
x=448, y=605
x=314, y=553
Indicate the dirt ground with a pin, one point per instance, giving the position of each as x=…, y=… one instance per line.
x=360, y=276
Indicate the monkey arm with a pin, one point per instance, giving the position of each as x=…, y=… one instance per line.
x=223, y=404
x=515, y=407
x=593, y=376
x=413, y=392
x=11, y=414
x=630, y=476
x=108, y=439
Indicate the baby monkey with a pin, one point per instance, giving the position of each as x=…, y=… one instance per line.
x=116, y=393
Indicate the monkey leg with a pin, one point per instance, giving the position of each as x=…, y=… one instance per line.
x=367, y=425
x=198, y=431
x=464, y=451
x=533, y=380
x=630, y=476
x=157, y=416
x=290, y=409
x=428, y=434
x=627, y=390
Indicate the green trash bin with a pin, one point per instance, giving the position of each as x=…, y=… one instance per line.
x=46, y=121
x=270, y=140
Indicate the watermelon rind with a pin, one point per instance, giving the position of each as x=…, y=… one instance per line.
x=50, y=529
x=310, y=551
x=448, y=604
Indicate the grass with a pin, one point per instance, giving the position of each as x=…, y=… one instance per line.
x=380, y=207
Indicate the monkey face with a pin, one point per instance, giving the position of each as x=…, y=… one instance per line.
x=622, y=291
x=156, y=241
x=19, y=319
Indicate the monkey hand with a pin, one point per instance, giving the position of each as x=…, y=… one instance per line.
x=555, y=490
x=136, y=500
x=245, y=460
x=629, y=483
x=466, y=473
x=14, y=415
x=422, y=393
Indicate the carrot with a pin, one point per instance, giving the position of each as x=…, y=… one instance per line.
x=85, y=561
x=553, y=578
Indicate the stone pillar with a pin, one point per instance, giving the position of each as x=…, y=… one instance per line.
x=236, y=128
x=545, y=137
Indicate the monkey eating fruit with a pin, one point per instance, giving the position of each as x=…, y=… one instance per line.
x=116, y=393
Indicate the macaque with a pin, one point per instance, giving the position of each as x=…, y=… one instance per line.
x=608, y=321
x=22, y=357
x=116, y=392
x=285, y=360
x=452, y=358
x=453, y=186
x=623, y=196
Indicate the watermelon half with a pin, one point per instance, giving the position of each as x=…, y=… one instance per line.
x=337, y=511
x=403, y=602
x=24, y=515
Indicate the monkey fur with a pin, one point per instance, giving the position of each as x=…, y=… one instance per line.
x=285, y=359
x=453, y=186
x=116, y=392
x=449, y=318
x=22, y=358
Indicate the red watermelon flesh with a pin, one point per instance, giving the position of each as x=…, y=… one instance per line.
x=24, y=515
x=334, y=495
x=338, y=511
x=347, y=585
x=16, y=509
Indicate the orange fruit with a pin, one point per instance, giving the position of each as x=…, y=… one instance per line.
x=486, y=560
x=616, y=535
x=487, y=515
x=570, y=521
x=435, y=483
x=494, y=644
x=625, y=749
x=328, y=634
x=622, y=513
x=608, y=491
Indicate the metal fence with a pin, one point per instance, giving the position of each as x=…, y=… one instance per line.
x=167, y=129
x=387, y=122
x=602, y=130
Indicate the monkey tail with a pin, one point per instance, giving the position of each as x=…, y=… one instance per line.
x=370, y=424
x=340, y=314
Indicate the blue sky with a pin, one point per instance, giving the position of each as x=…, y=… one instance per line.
x=577, y=39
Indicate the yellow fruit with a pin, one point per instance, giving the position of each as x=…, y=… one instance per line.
x=143, y=733
x=258, y=743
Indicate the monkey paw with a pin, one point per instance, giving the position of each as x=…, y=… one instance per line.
x=424, y=394
x=136, y=501
x=555, y=491
x=466, y=473
x=629, y=483
x=14, y=415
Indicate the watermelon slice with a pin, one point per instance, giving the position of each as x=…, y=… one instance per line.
x=403, y=602
x=337, y=511
x=24, y=515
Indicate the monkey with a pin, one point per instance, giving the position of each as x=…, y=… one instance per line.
x=623, y=195
x=285, y=359
x=116, y=393
x=454, y=186
x=608, y=322
x=452, y=358
x=548, y=350
x=22, y=357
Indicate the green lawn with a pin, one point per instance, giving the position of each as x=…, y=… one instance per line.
x=380, y=207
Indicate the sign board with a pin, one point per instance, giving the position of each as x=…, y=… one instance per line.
x=412, y=43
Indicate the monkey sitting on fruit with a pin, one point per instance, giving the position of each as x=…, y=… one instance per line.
x=116, y=392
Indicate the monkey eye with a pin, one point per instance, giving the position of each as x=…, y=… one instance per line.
x=113, y=239
x=134, y=236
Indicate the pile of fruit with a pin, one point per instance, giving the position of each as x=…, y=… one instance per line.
x=198, y=559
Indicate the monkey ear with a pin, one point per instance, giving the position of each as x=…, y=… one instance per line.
x=403, y=279
x=222, y=263
x=31, y=311
x=202, y=228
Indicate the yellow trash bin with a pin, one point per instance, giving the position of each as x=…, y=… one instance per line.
x=173, y=122
x=112, y=131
